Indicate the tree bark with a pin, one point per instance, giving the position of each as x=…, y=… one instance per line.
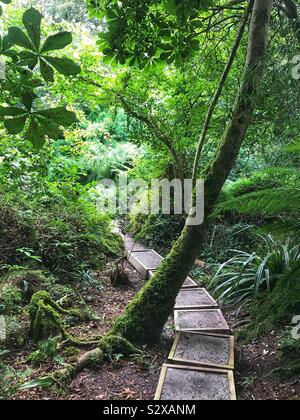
x=145, y=317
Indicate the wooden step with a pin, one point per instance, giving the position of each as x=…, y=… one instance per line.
x=195, y=383
x=207, y=350
x=201, y=320
x=144, y=261
x=132, y=245
x=196, y=298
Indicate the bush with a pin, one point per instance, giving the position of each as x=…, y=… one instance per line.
x=46, y=350
x=69, y=238
x=159, y=232
x=15, y=233
x=10, y=298
x=247, y=276
x=258, y=182
x=25, y=281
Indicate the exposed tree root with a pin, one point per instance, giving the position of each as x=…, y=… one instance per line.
x=107, y=347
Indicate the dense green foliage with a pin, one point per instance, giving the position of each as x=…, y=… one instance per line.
x=123, y=87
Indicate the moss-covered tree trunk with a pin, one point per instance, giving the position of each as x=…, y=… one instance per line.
x=146, y=315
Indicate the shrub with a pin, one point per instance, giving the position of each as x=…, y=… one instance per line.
x=46, y=350
x=15, y=233
x=159, y=232
x=69, y=238
x=246, y=276
x=10, y=298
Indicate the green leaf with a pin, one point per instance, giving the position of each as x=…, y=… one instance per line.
x=18, y=37
x=27, y=99
x=64, y=66
x=47, y=71
x=35, y=134
x=57, y=41
x=28, y=58
x=11, y=111
x=60, y=115
x=50, y=128
x=15, y=125
x=32, y=22
x=44, y=382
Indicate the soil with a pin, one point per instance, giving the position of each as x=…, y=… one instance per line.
x=254, y=364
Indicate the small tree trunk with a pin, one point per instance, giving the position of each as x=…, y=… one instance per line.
x=146, y=315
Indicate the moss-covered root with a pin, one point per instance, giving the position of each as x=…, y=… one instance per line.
x=108, y=346
x=45, y=316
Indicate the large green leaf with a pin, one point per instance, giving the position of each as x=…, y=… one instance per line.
x=35, y=54
x=60, y=115
x=27, y=99
x=5, y=47
x=36, y=134
x=28, y=58
x=47, y=71
x=43, y=382
x=32, y=22
x=50, y=127
x=64, y=65
x=18, y=37
x=11, y=111
x=57, y=42
x=15, y=125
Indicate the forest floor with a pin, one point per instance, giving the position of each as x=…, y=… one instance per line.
x=121, y=379
x=117, y=379
x=254, y=364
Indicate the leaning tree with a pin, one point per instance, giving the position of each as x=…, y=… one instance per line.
x=136, y=33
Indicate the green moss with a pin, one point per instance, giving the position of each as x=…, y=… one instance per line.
x=45, y=316
x=111, y=344
x=10, y=299
x=46, y=322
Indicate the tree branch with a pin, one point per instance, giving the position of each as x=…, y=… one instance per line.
x=145, y=120
x=219, y=90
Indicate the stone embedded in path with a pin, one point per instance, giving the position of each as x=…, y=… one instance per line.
x=197, y=298
x=216, y=351
x=192, y=383
x=145, y=261
x=202, y=320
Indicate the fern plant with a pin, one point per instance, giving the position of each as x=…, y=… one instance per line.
x=245, y=277
x=273, y=194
